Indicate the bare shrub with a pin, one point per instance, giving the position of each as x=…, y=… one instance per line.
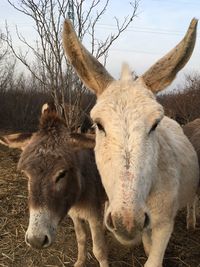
x=21, y=102
x=19, y=109
x=183, y=105
x=50, y=66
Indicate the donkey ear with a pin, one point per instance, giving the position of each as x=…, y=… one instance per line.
x=162, y=73
x=81, y=141
x=90, y=70
x=17, y=140
x=48, y=107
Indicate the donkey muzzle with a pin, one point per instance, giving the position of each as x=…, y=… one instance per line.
x=38, y=241
x=126, y=225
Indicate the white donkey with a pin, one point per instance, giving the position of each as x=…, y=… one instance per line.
x=147, y=165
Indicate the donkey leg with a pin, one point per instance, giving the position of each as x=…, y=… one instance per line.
x=160, y=239
x=146, y=240
x=191, y=214
x=80, y=230
x=98, y=240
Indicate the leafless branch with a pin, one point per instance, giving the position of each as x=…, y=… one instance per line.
x=50, y=66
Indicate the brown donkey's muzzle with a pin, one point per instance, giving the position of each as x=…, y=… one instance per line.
x=38, y=241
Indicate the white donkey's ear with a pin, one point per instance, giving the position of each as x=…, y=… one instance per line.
x=90, y=70
x=16, y=140
x=163, y=72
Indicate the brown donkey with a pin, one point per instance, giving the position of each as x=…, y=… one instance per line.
x=62, y=178
x=192, y=131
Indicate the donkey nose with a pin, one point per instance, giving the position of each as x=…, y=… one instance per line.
x=38, y=242
x=115, y=224
x=126, y=226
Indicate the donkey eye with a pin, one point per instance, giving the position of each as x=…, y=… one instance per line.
x=154, y=126
x=100, y=127
x=60, y=176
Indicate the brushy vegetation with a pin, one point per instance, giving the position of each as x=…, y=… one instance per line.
x=21, y=100
x=183, y=104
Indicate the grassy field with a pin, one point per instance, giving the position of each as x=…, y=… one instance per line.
x=183, y=249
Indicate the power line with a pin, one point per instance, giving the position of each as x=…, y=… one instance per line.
x=130, y=29
x=113, y=27
x=143, y=28
x=139, y=30
x=145, y=31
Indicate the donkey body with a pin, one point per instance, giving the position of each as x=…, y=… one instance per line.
x=62, y=178
x=192, y=131
x=148, y=167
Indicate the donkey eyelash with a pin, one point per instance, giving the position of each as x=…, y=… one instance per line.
x=94, y=126
x=60, y=175
x=154, y=126
x=99, y=126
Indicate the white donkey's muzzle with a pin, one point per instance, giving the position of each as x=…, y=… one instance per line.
x=125, y=224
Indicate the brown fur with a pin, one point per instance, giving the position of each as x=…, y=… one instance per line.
x=192, y=131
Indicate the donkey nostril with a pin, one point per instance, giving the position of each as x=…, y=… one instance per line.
x=38, y=241
x=46, y=241
x=146, y=220
x=109, y=221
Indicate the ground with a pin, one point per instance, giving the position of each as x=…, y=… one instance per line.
x=183, y=249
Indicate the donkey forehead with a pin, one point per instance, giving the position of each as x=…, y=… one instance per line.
x=37, y=157
x=126, y=99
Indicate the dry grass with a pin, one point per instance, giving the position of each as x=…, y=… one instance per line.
x=183, y=250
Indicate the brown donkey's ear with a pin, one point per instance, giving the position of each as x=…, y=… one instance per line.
x=17, y=140
x=163, y=72
x=81, y=141
x=48, y=107
x=90, y=70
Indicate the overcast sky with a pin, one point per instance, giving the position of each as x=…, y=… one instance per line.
x=159, y=26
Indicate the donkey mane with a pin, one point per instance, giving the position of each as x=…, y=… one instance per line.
x=51, y=122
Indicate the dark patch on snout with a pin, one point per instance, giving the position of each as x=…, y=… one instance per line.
x=146, y=220
x=120, y=229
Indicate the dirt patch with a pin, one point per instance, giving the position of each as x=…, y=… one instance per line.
x=183, y=249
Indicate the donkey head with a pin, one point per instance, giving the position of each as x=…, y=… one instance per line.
x=54, y=185
x=127, y=116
